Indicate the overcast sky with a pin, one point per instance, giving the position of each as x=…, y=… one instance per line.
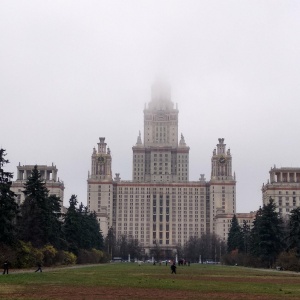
x=74, y=71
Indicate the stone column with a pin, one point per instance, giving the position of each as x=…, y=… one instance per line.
x=272, y=176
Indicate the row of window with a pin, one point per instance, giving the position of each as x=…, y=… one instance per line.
x=167, y=190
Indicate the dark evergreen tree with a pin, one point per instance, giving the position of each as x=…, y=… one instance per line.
x=81, y=228
x=8, y=206
x=40, y=214
x=246, y=236
x=235, y=239
x=267, y=234
x=294, y=231
x=254, y=234
x=91, y=236
x=97, y=236
x=72, y=226
x=84, y=236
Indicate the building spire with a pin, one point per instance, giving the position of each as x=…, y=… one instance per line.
x=182, y=141
x=161, y=96
x=139, y=139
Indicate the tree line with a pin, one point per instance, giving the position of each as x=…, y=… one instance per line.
x=271, y=241
x=208, y=247
x=39, y=227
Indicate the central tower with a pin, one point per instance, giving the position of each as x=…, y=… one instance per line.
x=160, y=158
x=160, y=119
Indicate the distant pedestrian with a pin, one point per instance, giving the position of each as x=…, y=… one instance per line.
x=5, y=267
x=173, y=268
x=39, y=269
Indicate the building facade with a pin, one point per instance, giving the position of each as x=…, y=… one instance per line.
x=48, y=174
x=160, y=205
x=284, y=188
x=223, y=222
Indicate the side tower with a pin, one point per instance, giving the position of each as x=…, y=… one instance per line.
x=284, y=188
x=48, y=174
x=160, y=158
x=222, y=186
x=100, y=188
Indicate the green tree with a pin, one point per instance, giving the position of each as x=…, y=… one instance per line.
x=235, y=239
x=267, y=234
x=40, y=214
x=8, y=206
x=72, y=226
x=246, y=236
x=81, y=228
x=294, y=231
x=91, y=236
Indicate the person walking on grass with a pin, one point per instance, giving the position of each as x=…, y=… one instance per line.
x=173, y=268
x=39, y=269
x=5, y=267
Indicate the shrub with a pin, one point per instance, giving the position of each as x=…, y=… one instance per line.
x=65, y=258
x=27, y=255
x=241, y=259
x=98, y=255
x=106, y=257
x=49, y=253
x=93, y=256
x=289, y=261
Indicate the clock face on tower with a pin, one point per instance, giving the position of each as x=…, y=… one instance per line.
x=101, y=159
x=222, y=160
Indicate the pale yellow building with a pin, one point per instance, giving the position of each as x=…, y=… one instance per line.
x=284, y=188
x=223, y=222
x=48, y=174
x=160, y=205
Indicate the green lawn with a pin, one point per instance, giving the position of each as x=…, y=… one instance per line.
x=131, y=281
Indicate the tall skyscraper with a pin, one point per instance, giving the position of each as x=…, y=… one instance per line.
x=160, y=205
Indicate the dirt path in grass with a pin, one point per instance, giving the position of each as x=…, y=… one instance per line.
x=93, y=293
x=49, y=269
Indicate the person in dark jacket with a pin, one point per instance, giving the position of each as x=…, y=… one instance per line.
x=39, y=265
x=5, y=267
x=173, y=268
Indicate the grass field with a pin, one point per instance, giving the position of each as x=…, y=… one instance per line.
x=131, y=281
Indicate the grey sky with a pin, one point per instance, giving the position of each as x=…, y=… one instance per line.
x=72, y=71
